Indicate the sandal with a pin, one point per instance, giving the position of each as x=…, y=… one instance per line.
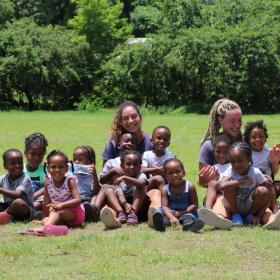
x=31, y=231
x=55, y=230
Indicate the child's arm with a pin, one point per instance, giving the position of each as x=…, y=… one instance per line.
x=75, y=201
x=47, y=201
x=227, y=183
x=165, y=209
x=11, y=194
x=109, y=176
x=155, y=170
x=95, y=181
x=125, y=205
x=39, y=193
x=138, y=183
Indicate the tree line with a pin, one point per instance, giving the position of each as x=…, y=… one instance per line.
x=79, y=54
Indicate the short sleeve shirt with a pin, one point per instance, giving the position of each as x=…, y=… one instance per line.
x=254, y=173
x=110, y=164
x=261, y=160
x=150, y=159
x=129, y=188
x=23, y=184
x=206, y=154
x=37, y=177
x=111, y=149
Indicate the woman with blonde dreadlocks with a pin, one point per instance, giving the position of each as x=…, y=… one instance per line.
x=225, y=117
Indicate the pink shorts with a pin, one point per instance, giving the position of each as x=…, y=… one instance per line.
x=79, y=211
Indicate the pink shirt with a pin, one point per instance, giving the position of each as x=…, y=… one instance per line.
x=61, y=193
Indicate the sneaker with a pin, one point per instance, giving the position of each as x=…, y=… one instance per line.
x=108, y=217
x=211, y=218
x=237, y=220
x=250, y=219
x=151, y=212
x=194, y=226
x=92, y=213
x=122, y=217
x=158, y=221
x=273, y=222
x=132, y=219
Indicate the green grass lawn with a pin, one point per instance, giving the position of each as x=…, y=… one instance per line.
x=134, y=252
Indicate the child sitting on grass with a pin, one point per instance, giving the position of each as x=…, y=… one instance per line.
x=251, y=191
x=179, y=200
x=16, y=189
x=62, y=202
x=128, y=197
x=220, y=147
x=87, y=182
x=34, y=151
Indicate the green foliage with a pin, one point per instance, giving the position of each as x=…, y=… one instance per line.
x=6, y=11
x=227, y=49
x=45, y=66
x=100, y=22
x=146, y=19
x=45, y=12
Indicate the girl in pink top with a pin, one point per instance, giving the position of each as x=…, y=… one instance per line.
x=62, y=202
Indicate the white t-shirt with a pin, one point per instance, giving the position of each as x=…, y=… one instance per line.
x=149, y=158
x=110, y=164
x=254, y=173
x=221, y=168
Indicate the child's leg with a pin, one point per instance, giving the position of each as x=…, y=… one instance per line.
x=38, y=205
x=219, y=207
x=211, y=194
x=230, y=201
x=60, y=217
x=113, y=201
x=138, y=199
x=19, y=209
x=273, y=198
x=261, y=200
x=100, y=200
x=155, y=182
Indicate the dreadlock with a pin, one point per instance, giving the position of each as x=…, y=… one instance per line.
x=218, y=110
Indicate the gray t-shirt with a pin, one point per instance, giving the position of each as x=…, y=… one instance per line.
x=110, y=164
x=254, y=173
x=23, y=183
x=261, y=160
x=129, y=188
x=206, y=153
x=150, y=159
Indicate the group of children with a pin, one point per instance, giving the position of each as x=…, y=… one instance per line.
x=63, y=193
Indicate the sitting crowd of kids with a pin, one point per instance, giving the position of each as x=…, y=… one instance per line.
x=64, y=193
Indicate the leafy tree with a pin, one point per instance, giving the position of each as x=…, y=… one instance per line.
x=6, y=11
x=45, y=12
x=47, y=66
x=100, y=22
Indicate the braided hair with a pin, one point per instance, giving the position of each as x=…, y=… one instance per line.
x=35, y=138
x=242, y=147
x=219, y=109
x=89, y=152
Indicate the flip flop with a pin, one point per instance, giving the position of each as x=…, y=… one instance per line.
x=55, y=230
x=31, y=231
